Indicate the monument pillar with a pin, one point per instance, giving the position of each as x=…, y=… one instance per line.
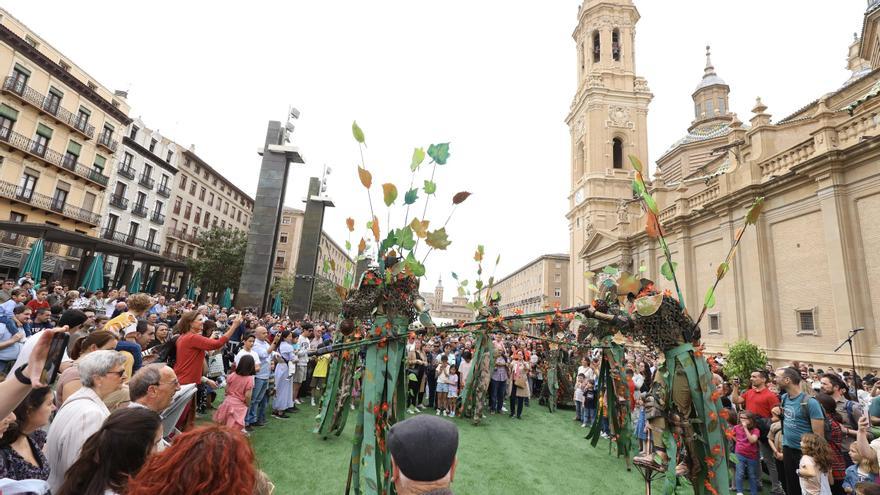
x=309, y=247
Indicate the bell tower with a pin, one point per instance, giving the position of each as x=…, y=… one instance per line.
x=607, y=122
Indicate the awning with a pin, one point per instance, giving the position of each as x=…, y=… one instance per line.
x=51, y=233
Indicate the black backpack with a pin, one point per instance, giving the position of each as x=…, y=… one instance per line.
x=167, y=352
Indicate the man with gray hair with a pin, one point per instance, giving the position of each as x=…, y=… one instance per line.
x=83, y=413
x=153, y=387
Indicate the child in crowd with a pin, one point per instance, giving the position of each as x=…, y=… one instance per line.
x=746, y=434
x=240, y=385
x=442, y=385
x=865, y=488
x=815, y=465
x=589, y=403
x=863, y=469
x=603, y=410
x=452, y=394
x=579, y=397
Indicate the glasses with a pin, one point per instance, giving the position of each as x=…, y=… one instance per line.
x=174, y=382
x=119, y=373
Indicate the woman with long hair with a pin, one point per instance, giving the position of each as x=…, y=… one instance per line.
x=283, y=385
x=814, y=469
x=210, y=460
x=834, y=437
x=21, y=446
x=115, y=453
x=69, y=381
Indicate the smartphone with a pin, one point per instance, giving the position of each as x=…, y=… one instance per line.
x=53, y=360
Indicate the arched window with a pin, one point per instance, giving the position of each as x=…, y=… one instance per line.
x=615, y=45
x=597, y=47
x=617, y=153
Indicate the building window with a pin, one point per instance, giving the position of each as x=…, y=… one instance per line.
x=112, y=221
x=64, y=65
x=721, y=106
x=169, y=156
x=158, y=207
x=617, y=153
x=20, y=77
x=697, y=110
x=41, y=140
x=238, y=217
x=597, y=47
x=126, y=159
x=211, y=199
x=120, y=189
x=714, y=323
x=59, y=199
x=148, y=171
x=141, y=200
x=207, y=222
x=557, y=277
x=226, y=209
x=202, y=193
x=152, y=145
x=709, y=109
x=192, y=188
x=26, y=188
x=557, y=292
x=615, y=45
x=187, y=211
x=53, y=101
x=806, y=321
x=177, y=202
x=183, y=182
x=31, y=41
x=283, y=239
x=134, y=132
x=198, y=217
x=164, y=181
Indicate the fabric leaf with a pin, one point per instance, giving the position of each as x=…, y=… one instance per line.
x=418, y=157
x=374, y=226
x=357, y=132
x=439, y=153
x=460, y=197
x=638, y=188
x=430, y=187
x=648, y=305
x=349, y=222
x=610, y=270
x=636, y=163
x=650, y=203
x=755, y=211
x=362, y=246
x=667, y=270
x=478, y=255
x=405, y=238
x=348, y=245
x=710, y=298
x=652, y=226
x=722, y=270
x=411, y=196
x=420, y=227
x=365, y=176
x=389, y=193
x=438, y=239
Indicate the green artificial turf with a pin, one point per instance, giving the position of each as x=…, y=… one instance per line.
x=541, y=453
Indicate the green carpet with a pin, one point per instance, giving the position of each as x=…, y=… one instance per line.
x=541, y=453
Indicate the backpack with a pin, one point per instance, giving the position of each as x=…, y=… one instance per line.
x=167, y=352
x=805, y=399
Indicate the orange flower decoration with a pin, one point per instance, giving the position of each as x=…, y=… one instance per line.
x=716, y=395
x=385, y=358
x=713, y=416
x=517, y=311
x=344, y=354
x=716, y=449
x=724, y=413
x=384, y=406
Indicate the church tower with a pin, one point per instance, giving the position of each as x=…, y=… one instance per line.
x=607, y=122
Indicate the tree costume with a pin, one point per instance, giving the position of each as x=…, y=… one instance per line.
x=473, y=394
x=341, y=377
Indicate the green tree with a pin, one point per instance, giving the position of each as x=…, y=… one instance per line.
x=325, y=298
x=221, y=259
x=742, y=359
x=284, y=286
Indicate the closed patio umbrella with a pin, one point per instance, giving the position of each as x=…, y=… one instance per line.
x=34, y=261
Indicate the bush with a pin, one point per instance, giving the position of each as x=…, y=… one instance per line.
x=742, y=358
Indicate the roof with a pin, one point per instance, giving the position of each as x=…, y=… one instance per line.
x=701, y=133
x=710, y=78
x=874, y=91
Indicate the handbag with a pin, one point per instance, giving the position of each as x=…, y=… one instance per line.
x=215, y=365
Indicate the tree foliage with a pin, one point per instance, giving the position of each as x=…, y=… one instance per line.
x=221, y=259
x=742, y=359
x=325, y=299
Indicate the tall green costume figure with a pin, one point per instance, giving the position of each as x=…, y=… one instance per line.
x=341, y=377
x=473, y=395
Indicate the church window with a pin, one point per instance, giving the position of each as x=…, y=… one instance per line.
x=721, y=106
x=617, y=153
x=710, y=111
x=697, y=110
x=615, y=45
x=597, y=47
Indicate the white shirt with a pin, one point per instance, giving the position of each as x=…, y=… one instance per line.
x=244, y=351
x=81, y=415
x=302, y=353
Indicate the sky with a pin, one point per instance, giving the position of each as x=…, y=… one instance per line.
x=494, y=78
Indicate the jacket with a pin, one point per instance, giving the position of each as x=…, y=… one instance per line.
x=81, y=415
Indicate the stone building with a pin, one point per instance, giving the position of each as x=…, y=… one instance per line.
x=59, y=131
x=443, y=311
x=333, y=261
x=808, y=272
x=537, y=286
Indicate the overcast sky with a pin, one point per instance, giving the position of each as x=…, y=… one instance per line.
x=495, y=78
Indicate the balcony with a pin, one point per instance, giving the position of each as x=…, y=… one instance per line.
x=183, y=235
x=119, y=201
x=130, y=240
x=163, y=190
x=52, y=157
x=173, y=256
x=127, y=171
x=146, y=181
x=157, y=218
x=105, y=140
x=37, y=200
x=48, y=106
x=139, y=210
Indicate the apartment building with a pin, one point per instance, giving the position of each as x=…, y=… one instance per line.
x=537, y=286
x=332, y=259
x=59, y=131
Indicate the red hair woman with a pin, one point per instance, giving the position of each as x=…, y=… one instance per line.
x=211, y=460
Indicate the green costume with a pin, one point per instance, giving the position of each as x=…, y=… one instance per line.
x=473, y=395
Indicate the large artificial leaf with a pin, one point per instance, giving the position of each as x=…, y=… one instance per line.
x=478, y=284
x=362, y=246
x=610, y=270
x=411, y=196
x=420, y=227
x=638, y=188
x=348, y=245
x=349, y=222
x=405, y=238
x=478, y=255
x=357, y=132
x=418, y=157
x=455, y=275
x=648, y=305
x=652, y=225
x=346, y=280
x=709, y=302
x=438, y=239
x=460, y=197
x=365, y=176
x=755, y=211
x=722, y=270
x=439, y=153
x=414, y=266
x=593, y=287
x=650, y=203
x=326, y=267
x=374, y=226
x=667, y=270
x=389, y=193
x=430, y=187
x=636, y=163
x=389, y=241
x=627, y=283
x=497, y=259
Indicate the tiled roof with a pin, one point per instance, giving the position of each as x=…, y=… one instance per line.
x=873, y=5
x=702, y=133
x=874, y=91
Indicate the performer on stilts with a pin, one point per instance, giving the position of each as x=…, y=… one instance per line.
x=473, y=394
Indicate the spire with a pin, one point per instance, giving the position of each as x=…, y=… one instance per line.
x=710, y=69
x=710, y=77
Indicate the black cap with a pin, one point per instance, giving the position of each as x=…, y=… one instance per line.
x=423, y=447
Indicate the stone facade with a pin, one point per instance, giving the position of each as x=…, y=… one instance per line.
x=444, y=311
x=330, y=254
x=808, y=272
x=538, y=286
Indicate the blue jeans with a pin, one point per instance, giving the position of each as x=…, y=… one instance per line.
x=259, y=399
x=589, y=415
x=496, y=395
x=747, y=467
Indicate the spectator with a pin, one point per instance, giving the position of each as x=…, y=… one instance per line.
x=746, y=448
x=849, y=410
x=256, y=415
x=498, y=385
x=19, y=296
x=423, y=455
x=83, y=413
x=283, y=391
x=159, y=308
x=210, y=460
x=190, y=357
x=68, y=381
x=137, y=304
x=247, y=347
x=153, y=387
x=863, y=470
x=319, y=377
x=416, y=362
x=40, y=301
x=21, y=446
x=815, y=465
x=114, y=453
x=834, y=438
x=302, y=360
x=160, y=337
x=72, y=320
x=6, y=291
x=12, y=336
x=802, y=414
x=760, y=401
x=56, y=297
x=42, y=319
x=239, y=390
x=136, y=339
x=519, y=370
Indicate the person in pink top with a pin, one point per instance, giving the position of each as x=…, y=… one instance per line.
x=746, y=434
x=239, y=386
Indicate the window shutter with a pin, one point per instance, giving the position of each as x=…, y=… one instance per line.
x=100, y=161
x=74, y=147
x=44, y=131
x=24, y=70
x=8, y=112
